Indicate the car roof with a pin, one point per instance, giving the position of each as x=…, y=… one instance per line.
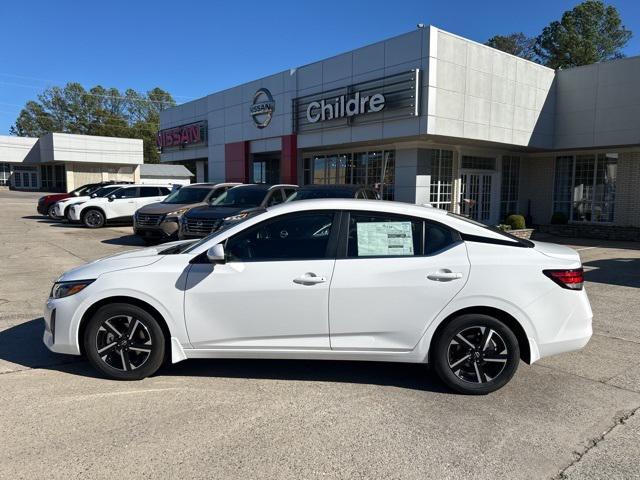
x=213, y=184
x=264, y=186
x=343, y=186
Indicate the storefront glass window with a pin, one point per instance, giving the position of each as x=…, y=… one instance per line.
x=509, y=190
x=441, y=186
x=375, y=169
x=585, y=187
x=5, y=174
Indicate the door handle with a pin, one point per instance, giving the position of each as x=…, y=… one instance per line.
x=309, y=278
x=444, y=276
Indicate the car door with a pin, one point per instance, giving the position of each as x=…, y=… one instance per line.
x=393, y=275
x=124, y=205
x=273, y=290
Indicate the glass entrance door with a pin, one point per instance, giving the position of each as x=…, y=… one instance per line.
x=475, y=196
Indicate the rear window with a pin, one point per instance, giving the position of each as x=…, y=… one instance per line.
x=508, y=237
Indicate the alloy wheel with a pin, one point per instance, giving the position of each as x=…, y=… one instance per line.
x=477, y=354
x=123, y=342
x=93, y=218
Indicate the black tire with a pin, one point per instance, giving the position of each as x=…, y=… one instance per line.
x=475, y=354
x=51, y=212
x=124, y=342
x=93, y=218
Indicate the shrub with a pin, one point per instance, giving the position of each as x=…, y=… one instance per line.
x=559, y=218
x=516, y=222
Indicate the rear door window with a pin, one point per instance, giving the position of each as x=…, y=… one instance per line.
x=383, y=235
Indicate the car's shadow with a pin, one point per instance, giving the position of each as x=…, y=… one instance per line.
x=130, y=240
x=624, y=272
x=22, y=345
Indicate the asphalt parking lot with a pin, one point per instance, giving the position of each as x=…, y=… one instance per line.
x=571, y=416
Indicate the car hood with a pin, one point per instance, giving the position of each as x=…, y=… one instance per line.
x=163, y=208
x=66, y=201
x=120, y=261
x=213, y=212
x=53, y=198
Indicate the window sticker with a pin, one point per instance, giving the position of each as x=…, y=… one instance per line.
x=384, y=239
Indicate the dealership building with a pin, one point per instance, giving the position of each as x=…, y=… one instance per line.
x=430, y=117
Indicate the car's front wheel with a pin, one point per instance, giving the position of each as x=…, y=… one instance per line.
x=51, y=213
x=124, y=342
x=93, y=218
x=475, y=354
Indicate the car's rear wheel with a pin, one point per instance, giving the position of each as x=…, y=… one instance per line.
x=124, y=342
x=93, y=218
x=475, y=354
x=51, y=213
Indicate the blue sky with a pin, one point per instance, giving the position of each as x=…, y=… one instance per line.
x=195, y=48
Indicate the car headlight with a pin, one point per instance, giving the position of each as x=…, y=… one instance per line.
x=175, y=213
x=64, y=289
x=235, y=218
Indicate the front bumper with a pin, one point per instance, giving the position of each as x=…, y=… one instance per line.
x=74, y=214
x=58, y=210
x=42, y=209
x=168, y=229
x=58, y=335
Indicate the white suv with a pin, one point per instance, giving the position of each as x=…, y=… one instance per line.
x=120, y=205
x=62, y=208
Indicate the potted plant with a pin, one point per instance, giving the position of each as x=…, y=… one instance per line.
x=515, y=225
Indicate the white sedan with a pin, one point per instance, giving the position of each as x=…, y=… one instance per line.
x=118, y=206
x=329, y=279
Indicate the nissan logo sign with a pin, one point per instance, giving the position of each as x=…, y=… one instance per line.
x=262, y=107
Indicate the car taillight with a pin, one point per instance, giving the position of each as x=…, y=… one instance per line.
x=571, y=279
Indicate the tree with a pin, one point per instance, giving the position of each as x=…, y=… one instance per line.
x=591, y=32
x=515, y=43
x=99, y=111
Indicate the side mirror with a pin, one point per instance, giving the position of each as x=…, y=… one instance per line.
x=112, y=197
x=216, y=254
x=94, y=195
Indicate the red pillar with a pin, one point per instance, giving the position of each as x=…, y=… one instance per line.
x=289, y=159
x=236, y=162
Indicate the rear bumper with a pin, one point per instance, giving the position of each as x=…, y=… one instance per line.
x=563, y=326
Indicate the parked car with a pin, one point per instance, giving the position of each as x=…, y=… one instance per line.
x=45, y=204
x=160, y=221
x=235, y=204
x=329, y=279
x=313, y=192
x=61, y=208
x=119, y=206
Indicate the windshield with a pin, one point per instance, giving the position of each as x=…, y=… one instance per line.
x=187, y=195
x=240, y=197
x=105, y=191
x=223, y=228
x=321, y=193
x=85, y=190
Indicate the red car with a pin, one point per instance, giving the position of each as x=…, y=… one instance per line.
x=45, y=204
